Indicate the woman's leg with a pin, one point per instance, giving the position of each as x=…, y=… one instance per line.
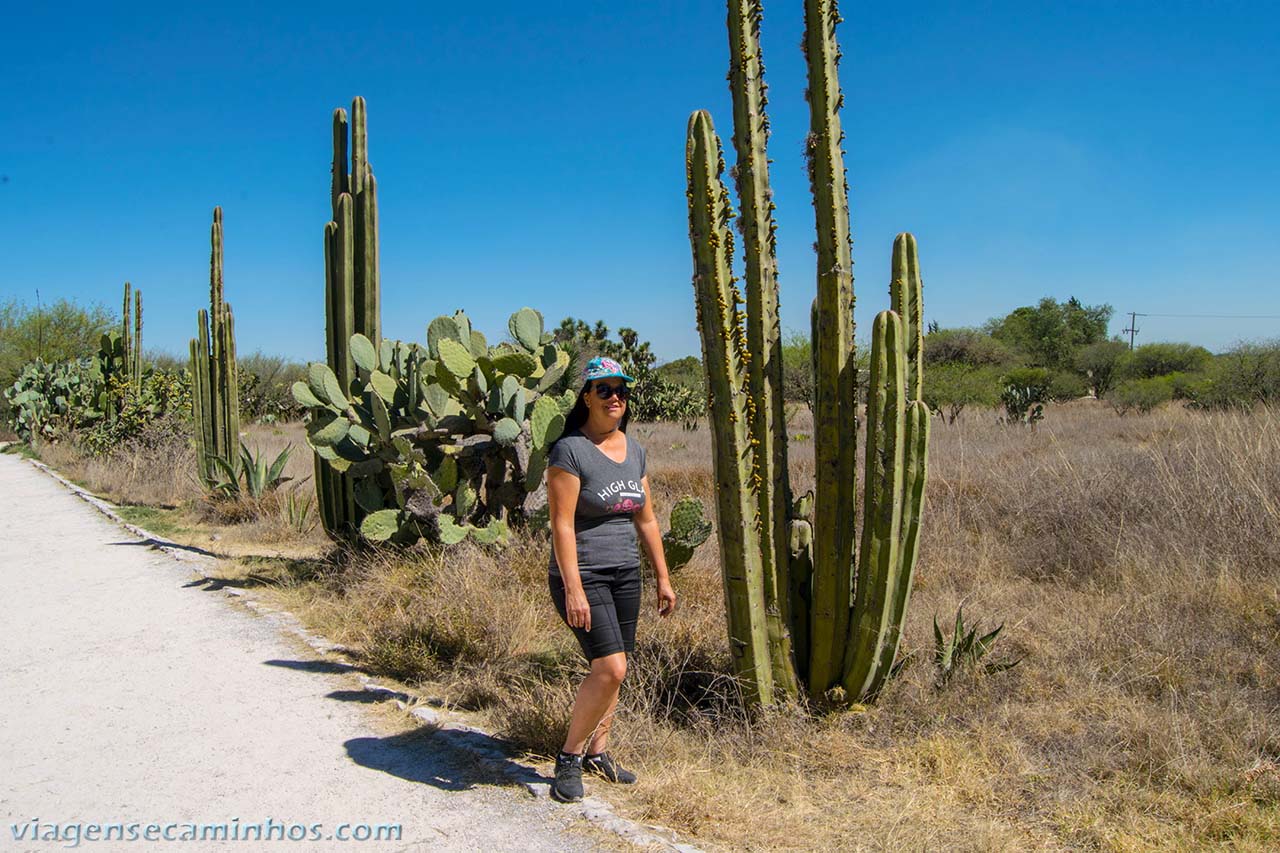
x=625, y=591
x=594, y=706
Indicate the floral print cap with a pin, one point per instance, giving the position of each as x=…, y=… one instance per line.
x=601, y=367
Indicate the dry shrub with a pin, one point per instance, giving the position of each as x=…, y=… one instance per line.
x=143, y=471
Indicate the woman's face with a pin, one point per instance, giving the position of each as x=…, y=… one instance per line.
x=611, y=409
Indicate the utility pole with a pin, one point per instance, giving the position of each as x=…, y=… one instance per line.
x=1133, y=328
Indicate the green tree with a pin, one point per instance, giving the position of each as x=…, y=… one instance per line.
x=973, y=347
x=1049, y=334
x=60, y=332
x=951, y=388
x=685, y=371
x=1101, y=363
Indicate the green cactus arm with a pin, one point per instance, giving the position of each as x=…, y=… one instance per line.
x=197, y=412
x=339, y=184
x=916, y=438
x=906, y=299
x=764, y=331
x=366, y=291
x=342, y=284
x=716, y=303
x=878, y=567
x=215, y=262
x=835, y=381
x=136, y=366
x=230, y=383
x=126, y=325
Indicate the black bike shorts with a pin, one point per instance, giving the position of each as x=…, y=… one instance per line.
x=614, y=597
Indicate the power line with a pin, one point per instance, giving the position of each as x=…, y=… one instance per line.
x=1211, y=316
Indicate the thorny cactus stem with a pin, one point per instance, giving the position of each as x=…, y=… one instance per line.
x=718, y=323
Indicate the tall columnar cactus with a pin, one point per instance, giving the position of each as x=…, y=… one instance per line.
x=352, y=293
x=802, y=610
x=215, y=404
x=120, y=355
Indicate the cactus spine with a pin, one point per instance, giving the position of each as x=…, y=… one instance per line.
x=215, y=404
x=796, y=613
x=352, y=292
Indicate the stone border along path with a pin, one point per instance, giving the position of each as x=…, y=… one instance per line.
x=452, y=755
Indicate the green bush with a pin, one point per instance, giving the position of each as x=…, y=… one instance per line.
x=950, y=388
x=1100, y=363
x=1141, y=395
x=1162, y=359
x=1242, y=377
x=1065, y=386
x=1051, y=333
x=264, y=388
x=685, y=371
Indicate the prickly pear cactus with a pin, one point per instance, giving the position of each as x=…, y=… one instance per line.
x=689, y=530
x=49, y=399
x=444, y=442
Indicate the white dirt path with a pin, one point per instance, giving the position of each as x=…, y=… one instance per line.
x=133, y=694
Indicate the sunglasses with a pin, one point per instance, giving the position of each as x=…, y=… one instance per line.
x=604, y=392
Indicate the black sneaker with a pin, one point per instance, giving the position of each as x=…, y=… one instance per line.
x=568, y=785
x=603, y=765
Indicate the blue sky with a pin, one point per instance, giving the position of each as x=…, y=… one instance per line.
x=532, y=154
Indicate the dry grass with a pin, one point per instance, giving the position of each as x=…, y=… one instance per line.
x=1135, y=562
x=162, y=473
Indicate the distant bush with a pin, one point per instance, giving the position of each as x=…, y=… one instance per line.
x=797, y=369
x=264, y=387
x=1140, y=395
x=950, y=388
x=1242, y=377
x=965, y=346
x=1065, y=386
x=1162, y=359
x=1101, y=364
x=685, y=371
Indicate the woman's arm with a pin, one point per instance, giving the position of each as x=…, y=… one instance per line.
x=562, y=501
x=646, y=522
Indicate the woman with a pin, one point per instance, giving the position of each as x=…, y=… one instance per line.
x=598, y=497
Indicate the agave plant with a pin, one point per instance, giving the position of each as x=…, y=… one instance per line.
x=951, y=653
x=259, y=478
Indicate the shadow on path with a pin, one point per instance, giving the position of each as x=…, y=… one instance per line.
x=448, y=759
x=156, y=543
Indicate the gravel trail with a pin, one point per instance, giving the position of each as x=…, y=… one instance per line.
x=134, y=695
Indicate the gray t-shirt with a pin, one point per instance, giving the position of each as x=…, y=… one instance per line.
x=610, y=492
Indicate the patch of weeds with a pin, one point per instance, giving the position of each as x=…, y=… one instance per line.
x=163, y=522
x=21, y=448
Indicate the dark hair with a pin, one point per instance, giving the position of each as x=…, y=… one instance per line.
x=578, y=414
